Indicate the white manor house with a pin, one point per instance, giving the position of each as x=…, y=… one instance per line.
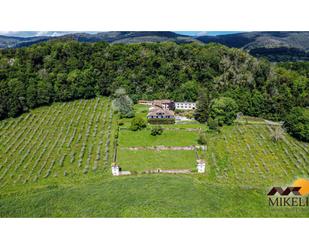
x=169, y=104
x=185, y=105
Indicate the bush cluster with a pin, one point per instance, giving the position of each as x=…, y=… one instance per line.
x=156, y=131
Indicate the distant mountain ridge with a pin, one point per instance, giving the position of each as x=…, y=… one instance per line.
x=275, y=46
x=110, y=37
x=251, y=40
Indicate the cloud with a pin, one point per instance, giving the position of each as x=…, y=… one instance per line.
x=36, y=33
x=53, y=33
x=202, y=33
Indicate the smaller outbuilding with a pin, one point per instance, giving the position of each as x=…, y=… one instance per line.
x=200, y=165
x=116, y=170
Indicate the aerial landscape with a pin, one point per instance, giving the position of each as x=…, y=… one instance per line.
x=154, y=124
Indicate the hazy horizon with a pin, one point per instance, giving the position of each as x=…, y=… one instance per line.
x=60, y=33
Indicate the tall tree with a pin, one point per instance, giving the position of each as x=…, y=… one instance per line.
x=123, y=103
x=202, y=107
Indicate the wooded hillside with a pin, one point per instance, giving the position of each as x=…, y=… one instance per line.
x=66, y=70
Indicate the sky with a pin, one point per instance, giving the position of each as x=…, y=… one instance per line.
x=59, y=33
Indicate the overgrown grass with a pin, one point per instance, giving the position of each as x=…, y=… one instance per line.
x=145, y=196
x=246, y=154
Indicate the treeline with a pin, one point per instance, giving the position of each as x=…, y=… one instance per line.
x=67, y=70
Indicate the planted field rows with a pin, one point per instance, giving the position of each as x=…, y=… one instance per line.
x=66, y=139
x=246, y=154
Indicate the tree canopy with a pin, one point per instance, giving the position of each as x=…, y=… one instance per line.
x=223, y=109
x=297, y=123
x=64, y=70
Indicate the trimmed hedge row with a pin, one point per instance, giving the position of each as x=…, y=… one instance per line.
x=161, y=121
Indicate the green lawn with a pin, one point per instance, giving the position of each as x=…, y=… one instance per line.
x=144, y=196
x=149, y=159
x=129, y=138
x=145, y=160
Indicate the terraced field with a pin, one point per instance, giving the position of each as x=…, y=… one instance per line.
x=62, y=141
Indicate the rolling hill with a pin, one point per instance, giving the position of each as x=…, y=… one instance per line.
x=14, y=42
x=110, y=37
x=55, y=162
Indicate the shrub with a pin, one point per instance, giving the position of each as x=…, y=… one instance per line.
x=128, y=115
x=189, y=114
x=178, y=111
x=157, y=130
x=120, y=123
x=277, y=134
x=202, y=139
x=138, y=123
x=159, y=121
x=213, y=124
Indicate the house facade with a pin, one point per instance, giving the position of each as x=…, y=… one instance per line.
x=185, y=105
x=160, y=113
x=168, y=104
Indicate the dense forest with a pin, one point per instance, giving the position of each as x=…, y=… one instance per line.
x=64, y=70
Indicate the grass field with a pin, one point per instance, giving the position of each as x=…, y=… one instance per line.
x=145, y=160
x=129, y=138
x=144, y=196
x=55, y=162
